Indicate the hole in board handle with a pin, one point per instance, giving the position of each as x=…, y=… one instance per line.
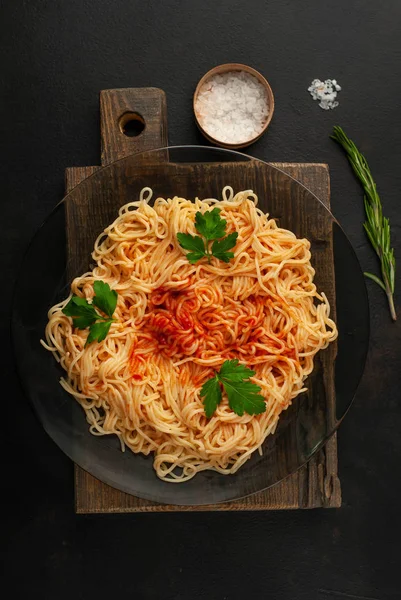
x=131, y=124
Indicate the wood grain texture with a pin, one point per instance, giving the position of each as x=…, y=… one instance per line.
x=314, y=485
x=149, y=103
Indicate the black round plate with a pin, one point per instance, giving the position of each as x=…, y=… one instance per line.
x=54, y=257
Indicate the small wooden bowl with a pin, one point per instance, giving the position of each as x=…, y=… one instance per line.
x=226, y=69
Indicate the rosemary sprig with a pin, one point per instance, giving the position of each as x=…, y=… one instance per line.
x=377, y=226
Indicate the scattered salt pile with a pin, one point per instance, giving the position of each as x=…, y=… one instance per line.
x=232, y=107
x=325, y=92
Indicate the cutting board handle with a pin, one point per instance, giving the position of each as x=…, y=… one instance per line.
x=132, y=120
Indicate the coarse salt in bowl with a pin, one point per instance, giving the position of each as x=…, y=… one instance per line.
x=233, y=105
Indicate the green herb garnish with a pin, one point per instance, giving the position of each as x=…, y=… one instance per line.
x=376, y=226
x=85, y=315
x=243, y=395
x=212, y=228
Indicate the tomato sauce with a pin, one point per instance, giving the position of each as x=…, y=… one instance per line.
x=178, y=324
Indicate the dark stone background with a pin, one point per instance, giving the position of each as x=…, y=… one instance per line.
x=55, y=57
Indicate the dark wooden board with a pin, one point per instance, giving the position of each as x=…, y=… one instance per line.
x=117, y=106
x=314, y=485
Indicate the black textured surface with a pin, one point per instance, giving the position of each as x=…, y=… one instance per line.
x=55, y=58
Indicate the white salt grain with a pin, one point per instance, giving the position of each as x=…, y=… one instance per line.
x=232, y=107
x=325, y=92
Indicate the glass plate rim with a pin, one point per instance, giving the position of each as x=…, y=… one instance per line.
x=248, y=157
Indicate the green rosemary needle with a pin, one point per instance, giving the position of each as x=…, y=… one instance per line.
x=377, y=226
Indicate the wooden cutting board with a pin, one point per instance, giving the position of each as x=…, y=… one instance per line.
x=123, y=113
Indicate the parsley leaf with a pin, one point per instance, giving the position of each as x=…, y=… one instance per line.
x=98, y=331
x=220, y=247
x=193, y=257
x=105, y=298
x=211, y=391
x=243, y=395
x=194, y=243
x=210, y=224
x=233, y=371
x=85, y=315
x=212, y=227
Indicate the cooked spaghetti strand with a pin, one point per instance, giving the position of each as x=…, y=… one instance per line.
x=176, y=323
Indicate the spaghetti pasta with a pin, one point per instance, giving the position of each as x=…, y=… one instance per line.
x=176, y=323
